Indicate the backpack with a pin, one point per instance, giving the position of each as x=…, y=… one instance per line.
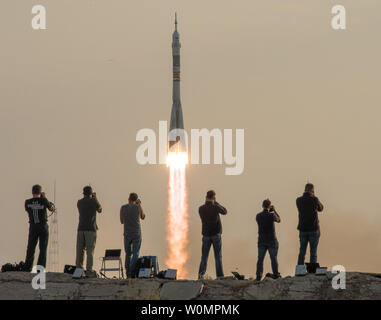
x=13, y=267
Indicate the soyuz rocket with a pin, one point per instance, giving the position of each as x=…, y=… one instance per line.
x=177, y=122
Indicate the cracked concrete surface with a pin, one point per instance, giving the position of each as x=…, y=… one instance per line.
x=59, y=286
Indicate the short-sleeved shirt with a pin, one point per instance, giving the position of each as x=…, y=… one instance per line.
x=36, y=208
x=87, y=208
x=266, y=227
x=131, y=220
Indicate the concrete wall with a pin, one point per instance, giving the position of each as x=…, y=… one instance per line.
x=17, y=285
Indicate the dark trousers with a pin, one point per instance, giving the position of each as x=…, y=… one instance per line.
x=37, y=232
x=263, y=247
x=217, y=247
x=306, y=238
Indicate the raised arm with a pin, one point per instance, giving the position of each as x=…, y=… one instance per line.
x=51, y=207
x=276, y=217
x=141, y=211
x=221, y=209
x=319, y=205
x=99, y=207
x=121, y=215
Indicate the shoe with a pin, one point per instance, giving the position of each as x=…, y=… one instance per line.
x=258, y=278
x=91, y=274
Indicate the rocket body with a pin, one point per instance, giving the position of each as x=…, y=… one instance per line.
x=176, y=127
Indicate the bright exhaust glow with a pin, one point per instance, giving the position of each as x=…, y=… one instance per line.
x=177, y=213
x=177, y=160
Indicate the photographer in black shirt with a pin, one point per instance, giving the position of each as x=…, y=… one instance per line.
x=211, y=233
x=38, y=226
x=267, y=240
x=309, y=230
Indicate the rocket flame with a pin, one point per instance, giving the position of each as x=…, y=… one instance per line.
x=177, y=160
x=177, y=213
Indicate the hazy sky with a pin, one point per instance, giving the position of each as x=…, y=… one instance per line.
x=72, y=98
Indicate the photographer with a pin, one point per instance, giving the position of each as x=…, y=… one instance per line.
x=130, y=216
x=267, y=239
x=38, y=226
x=211, y=233
x=88, y=207
x=309, y=230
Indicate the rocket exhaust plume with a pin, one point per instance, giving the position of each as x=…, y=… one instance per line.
x=177, y=160
x=177, y=236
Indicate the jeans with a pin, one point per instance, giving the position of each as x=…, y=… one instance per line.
x=37, y=232
x=313, y=239
x=132, y=248
x=86, y=240
x=272, y=247
x=217, y=246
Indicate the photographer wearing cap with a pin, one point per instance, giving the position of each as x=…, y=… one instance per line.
x=88, y=207
x=38, y=226
x=267, y=239
x=309, y=230
x=130, y=216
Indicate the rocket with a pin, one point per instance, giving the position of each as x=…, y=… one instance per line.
x=177, y=122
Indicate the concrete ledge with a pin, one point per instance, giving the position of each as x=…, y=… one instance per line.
x=59, y=286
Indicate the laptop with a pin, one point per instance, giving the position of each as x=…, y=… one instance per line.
x=171, y=274
x=300, y=270
x=321, y=271
x=69, y=269
x=78, y=273
x=311, y=267
x=115, y=253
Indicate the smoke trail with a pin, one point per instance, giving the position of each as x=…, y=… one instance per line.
x=177, y=216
